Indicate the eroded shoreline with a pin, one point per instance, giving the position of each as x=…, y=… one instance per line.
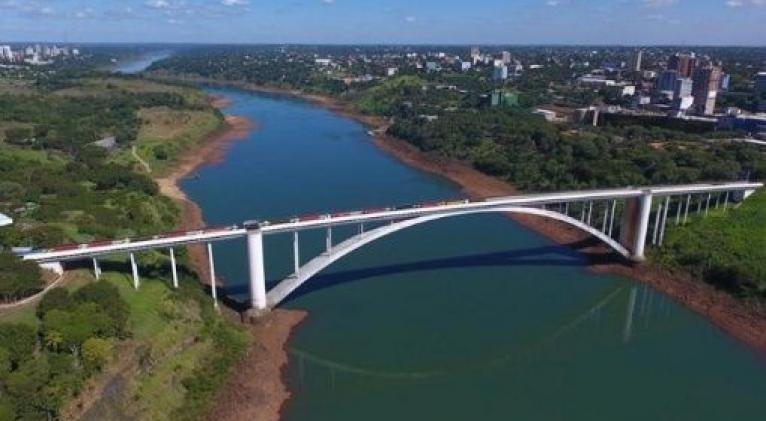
x=257, y=380
x=732, y=316
x=256, y=389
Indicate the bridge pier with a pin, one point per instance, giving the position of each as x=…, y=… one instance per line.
x=96, y=269
x=213, y=286
x=134, y=269
x=173, y=268
x=257, y=272
x=635, y=225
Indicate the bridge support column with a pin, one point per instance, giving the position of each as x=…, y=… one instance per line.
x=96, y=269
x=635, y=225
x=329, y=239
x=173, y=268
x=134, y=268
x=688, y=204
x=296, y=254
x=213, y=286
x=257, y=272
x=664, y=221
x=611, y=218
x=726, y=201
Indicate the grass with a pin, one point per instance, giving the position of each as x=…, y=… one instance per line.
x=726, y=249
x=106, y=85
x=165, y=133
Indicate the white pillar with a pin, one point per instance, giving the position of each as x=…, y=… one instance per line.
x=606, y=216
x=726, y=201
x=257, y=271
x=645, y=210
x=211, y=262
x=699, y=206
x=96, y=269
x=134, y=269
x=707, y=205
x=173, y=268
x=664, y=220
x=328, y=240
x=717, y=200
x=657, y=221
x=296, y=254
x=566, y=208
x=611, y=219
x=688, y=203
x=590, y=212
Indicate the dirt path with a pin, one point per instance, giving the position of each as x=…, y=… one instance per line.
x=134, y=152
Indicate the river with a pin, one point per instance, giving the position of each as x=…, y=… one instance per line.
x=469, y=318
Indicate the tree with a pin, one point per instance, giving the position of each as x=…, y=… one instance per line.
x=19, y=340
x=58, y=298
x=18, y=278
x=96, y=353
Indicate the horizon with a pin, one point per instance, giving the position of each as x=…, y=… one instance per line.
x=717, y=23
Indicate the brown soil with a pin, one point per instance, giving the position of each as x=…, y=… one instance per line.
x=731, y=315
x=210, y=152
x=255, y=389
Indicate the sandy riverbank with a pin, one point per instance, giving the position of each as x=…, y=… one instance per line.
x=723, y=310
x=256, y=389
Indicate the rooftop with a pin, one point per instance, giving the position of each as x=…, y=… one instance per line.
x=5, y=220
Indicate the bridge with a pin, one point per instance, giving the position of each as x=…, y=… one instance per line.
x=625, y=220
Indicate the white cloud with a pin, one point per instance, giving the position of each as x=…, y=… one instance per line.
x=235, y=2
x=410, y=19
x=741, y=3
x=328, y=1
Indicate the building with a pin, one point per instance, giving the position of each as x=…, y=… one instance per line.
x=506, y=57
x=754, y=125
x=684, y=64
x=5, y=220
x=666, y=82
x=392, y=71
x=760, y=91
x=682, y=94
x=432, y=66
x=501, y=98
x=500, y=73
x=475, y=54
x=465, y=66
x=637, y=61
x=705, y=90
x=725, y=82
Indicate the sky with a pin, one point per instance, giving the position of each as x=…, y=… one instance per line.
x=627, y=22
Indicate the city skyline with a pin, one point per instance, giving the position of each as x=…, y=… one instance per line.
x=623, y=22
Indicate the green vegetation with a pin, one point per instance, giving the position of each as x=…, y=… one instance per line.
x=41, y=368
x=727, y=249
x=162, y=353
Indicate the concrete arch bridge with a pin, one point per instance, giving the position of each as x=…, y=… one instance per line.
x=626, y=220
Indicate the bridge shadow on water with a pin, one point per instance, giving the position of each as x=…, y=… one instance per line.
x=571, y=255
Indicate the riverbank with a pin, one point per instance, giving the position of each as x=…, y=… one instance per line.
x=256, y=385
x=719, y=307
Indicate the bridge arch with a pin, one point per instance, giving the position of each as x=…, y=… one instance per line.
x=287, y=286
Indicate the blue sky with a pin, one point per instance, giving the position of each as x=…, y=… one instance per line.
x=741, y=22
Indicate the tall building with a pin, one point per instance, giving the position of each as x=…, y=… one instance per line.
x=682, y=94
x=666, y=81
x=475, y=52
x=506, y=57
x=637, y=61
x=760, y=91
x=725, y=82
x=500, y=73
x=706, y=83
x=684, y=64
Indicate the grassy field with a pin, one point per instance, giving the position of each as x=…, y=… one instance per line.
x=171, y=337
x=164, y=134
x=105, y=86
x=726, y=249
